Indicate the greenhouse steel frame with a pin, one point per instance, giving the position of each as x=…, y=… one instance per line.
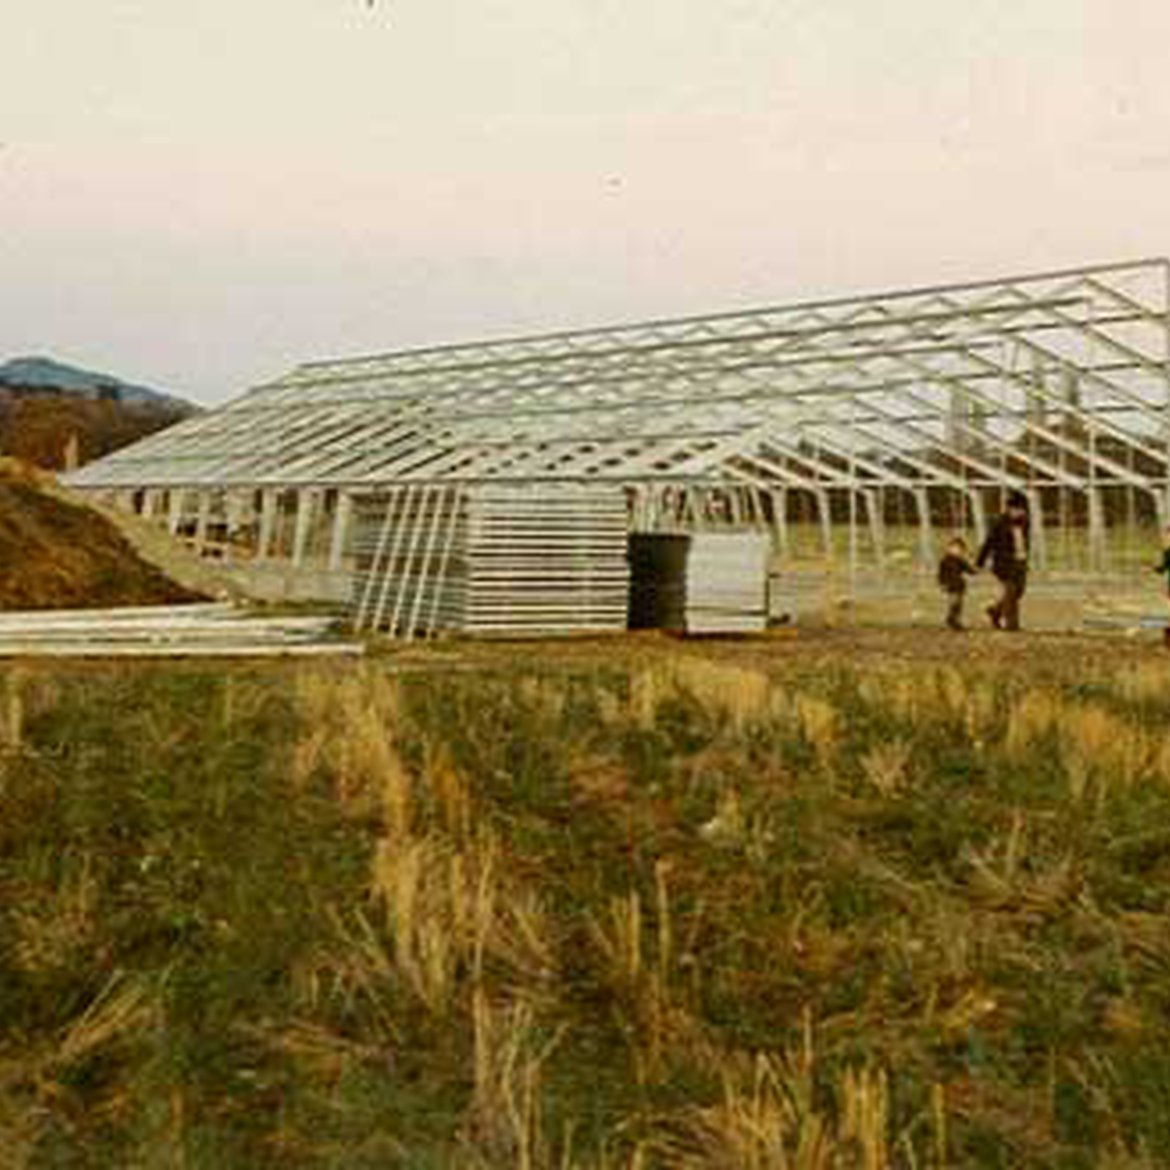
x=923, y=404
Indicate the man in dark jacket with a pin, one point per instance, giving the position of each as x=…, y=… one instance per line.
x=1007, y=547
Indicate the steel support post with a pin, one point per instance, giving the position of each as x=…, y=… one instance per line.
x=825, y=514
x=202, y=517
x=978, y=515
x=780, y=520
x=736, y=508
x=643, y=512
x=174, y=510
x=306, y=504
x=925, y=531
x=264, y=541
x=1039, y=535
x=343, y=512
x=235, y=510
x=852, y=541
x=873, y=508
x=1097, y=530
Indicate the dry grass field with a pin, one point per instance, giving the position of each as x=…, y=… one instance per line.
x=833, y=898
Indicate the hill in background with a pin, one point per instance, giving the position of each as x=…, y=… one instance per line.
x=45, y=404
x=31, y=375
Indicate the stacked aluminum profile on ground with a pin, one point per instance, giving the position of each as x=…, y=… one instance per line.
x=492, y=560
x=727, y=576
x=167, y=631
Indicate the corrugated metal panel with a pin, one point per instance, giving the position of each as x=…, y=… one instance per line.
x=546, y=561
x=727, y=575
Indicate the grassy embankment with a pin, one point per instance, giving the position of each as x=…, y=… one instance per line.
x=668, y=912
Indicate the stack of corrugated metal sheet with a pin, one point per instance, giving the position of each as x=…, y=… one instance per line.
x=546, y=561
x=727, y=574
x=493, y=560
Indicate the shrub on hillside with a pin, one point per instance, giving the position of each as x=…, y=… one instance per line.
x=38, y=427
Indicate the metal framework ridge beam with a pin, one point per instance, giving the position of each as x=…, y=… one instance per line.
x=1054, y=378
x=572, y=339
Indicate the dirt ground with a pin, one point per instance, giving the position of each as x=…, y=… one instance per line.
x=803, y=648
x=1069, y=624
x=58, y=554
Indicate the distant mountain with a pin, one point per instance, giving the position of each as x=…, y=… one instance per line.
x=52, y=413
x=31, y=373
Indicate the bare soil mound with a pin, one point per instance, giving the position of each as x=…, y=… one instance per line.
x=55, y=554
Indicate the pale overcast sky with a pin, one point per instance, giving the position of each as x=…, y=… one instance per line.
x=201, y=193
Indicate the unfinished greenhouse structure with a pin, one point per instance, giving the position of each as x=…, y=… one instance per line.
x=494, y=485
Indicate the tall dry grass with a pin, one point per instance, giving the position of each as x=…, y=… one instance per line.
x=683, y=913
x=772, y=1115
x=504, y=1125
x=740, y=694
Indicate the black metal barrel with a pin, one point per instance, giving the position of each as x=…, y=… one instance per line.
x=658, y=582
